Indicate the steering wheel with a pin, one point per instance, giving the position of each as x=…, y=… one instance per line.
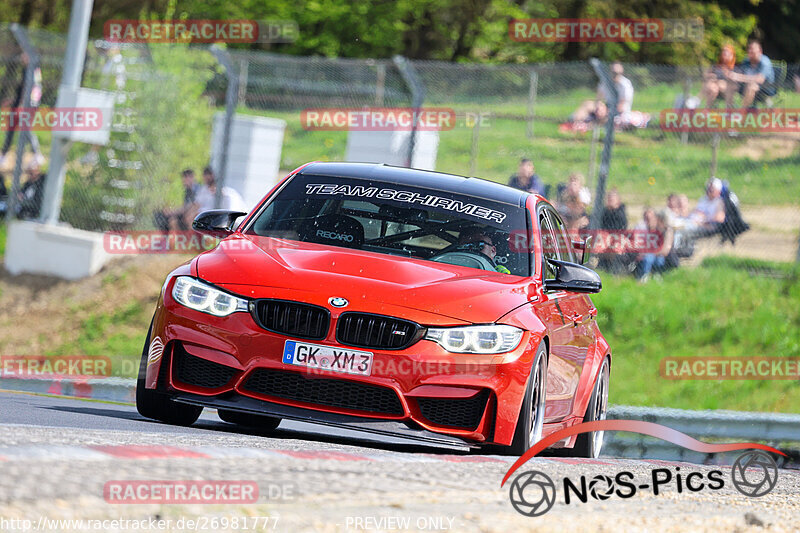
x=465, y=254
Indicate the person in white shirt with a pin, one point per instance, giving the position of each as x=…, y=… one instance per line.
x=624, y=91
x=596, y=110
x=710, y=210
x=206, y=196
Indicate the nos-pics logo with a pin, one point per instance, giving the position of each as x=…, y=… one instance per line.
x=533, y=493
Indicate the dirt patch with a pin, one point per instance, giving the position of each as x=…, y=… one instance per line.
x=758, y=148
x=40, y=313
x=773, y=235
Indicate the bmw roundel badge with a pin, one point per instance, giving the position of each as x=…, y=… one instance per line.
x=336, y=301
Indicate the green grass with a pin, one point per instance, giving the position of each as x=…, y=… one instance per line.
x=119, y=336
x=646, y=164
x=718, y=309
x=2, y=238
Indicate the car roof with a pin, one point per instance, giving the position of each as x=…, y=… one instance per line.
x=476, y=187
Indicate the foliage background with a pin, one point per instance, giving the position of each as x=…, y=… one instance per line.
x=459, y=30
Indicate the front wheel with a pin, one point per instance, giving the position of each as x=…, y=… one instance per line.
x=152, y=403
x=590, y=444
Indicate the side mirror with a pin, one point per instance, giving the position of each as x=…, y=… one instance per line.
x=216, y=222
x=583, y=246
x=573, y=278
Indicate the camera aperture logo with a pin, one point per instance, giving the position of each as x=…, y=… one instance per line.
x=533, y=493
x=754, y=474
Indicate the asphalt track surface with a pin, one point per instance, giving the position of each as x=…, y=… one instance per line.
x=58, y=454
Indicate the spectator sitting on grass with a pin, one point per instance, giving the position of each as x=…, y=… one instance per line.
x=32, y=193
x=664, y=258
x=678, y=212
x=755, y=79
x=179, y=218
x=596, y=110
x=614, y=216
x=716, y=81
x=526, y=178
x=206, y=195
x=575, y=186
x=573, y=212
x=614, y=219
x=710, y=210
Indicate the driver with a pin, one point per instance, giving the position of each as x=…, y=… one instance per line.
x=483, y=244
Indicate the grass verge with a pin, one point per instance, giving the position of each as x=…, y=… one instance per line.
x=718, y=309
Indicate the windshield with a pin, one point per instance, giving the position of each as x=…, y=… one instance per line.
x=388, y=218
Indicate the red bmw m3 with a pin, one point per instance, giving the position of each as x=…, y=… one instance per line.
x=390, y=300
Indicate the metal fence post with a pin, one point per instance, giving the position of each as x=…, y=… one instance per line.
x=608, y=142
x=593, y=155
x=714, y=151
x=473, y=158
x=77, y=39
x=797, y=257
x=414, y=84
x=231, y=96
x=244, y=71
x=687, y=87
x=33, y=62
x=532, y=90
x=380, y=84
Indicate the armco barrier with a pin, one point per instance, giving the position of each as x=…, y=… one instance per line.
x=781, y=430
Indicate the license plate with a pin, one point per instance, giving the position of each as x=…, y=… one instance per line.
x=327, y=358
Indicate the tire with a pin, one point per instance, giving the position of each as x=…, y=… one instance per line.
x=157, y=405
x=531, y=416
x=590, y=444
x=250, y=420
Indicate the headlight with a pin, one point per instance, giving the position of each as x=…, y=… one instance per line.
x=476, y=339
x=200, y=296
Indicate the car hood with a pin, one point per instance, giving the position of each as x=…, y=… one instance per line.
x=424, y=291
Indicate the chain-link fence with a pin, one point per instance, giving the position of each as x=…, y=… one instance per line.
x=165, y=97
x=160, y=124
x=544, y=112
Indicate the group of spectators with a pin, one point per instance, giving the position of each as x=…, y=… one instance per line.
x=197, y=198
x=753, y=79
x=572, y=198
x=676, y=224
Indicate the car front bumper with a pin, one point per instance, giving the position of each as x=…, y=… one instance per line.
x=232, y=363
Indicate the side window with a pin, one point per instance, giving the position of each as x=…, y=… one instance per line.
x=548, y=244
x=563, y=242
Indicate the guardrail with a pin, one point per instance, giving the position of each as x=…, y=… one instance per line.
x=781, y=430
